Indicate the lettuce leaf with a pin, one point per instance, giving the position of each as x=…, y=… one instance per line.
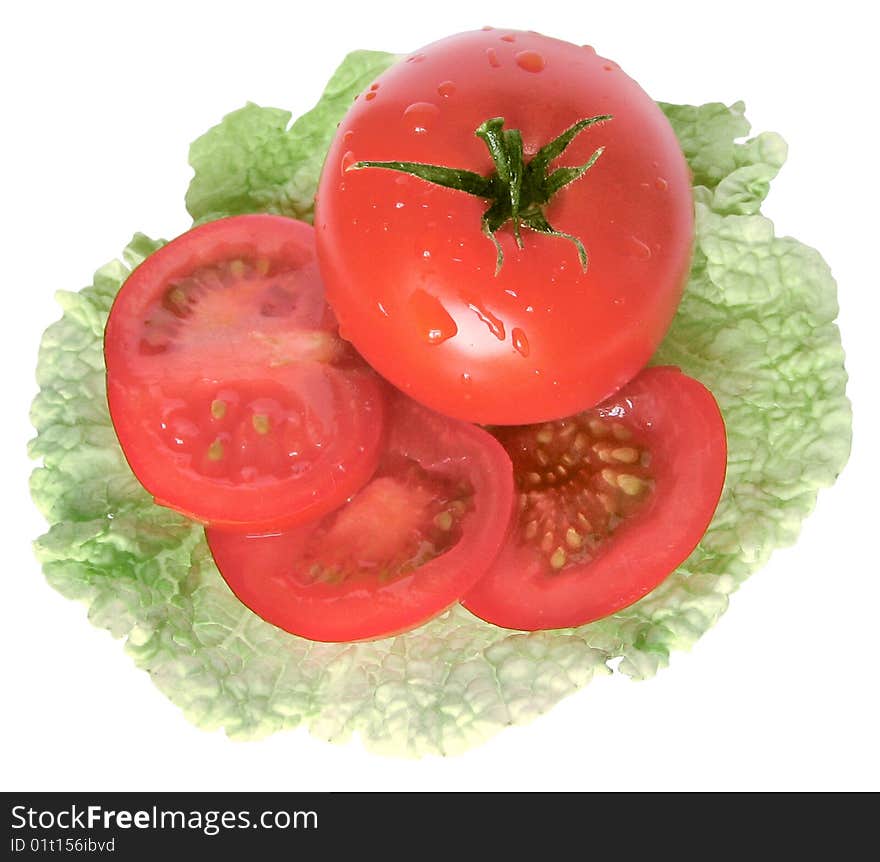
x=256, y=161
x=756, y=326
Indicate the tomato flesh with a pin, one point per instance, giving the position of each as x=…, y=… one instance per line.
x=610, y=502
x=412, y=275
x=579, y=479
x=404, y=548
x=233, y=397
x=405, y=517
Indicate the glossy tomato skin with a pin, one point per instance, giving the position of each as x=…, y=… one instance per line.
x=273, y=574
x=233, y=397
x=412, y=277
x=681, y=425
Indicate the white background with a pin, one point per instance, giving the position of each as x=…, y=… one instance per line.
x=100, y=102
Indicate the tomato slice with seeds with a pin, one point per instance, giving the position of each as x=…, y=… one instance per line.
x=407, y=546
x=610, y=502
x=234, y=398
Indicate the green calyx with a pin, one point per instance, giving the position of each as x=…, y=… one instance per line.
x=517, y=190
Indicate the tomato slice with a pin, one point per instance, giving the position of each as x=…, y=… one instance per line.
x=403, y=549
x=233, y=396
x=610, y=502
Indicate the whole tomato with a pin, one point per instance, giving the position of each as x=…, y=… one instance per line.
x=504, y=225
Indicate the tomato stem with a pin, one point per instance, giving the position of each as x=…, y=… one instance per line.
x=517, y=190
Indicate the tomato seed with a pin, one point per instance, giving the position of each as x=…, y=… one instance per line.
x=176, y=301
x=603, y=452
x=626, y=454
x=559, y=558
x=630, y=485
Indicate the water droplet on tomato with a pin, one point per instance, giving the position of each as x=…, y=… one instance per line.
x=520, y=342
x=508, y=37
x=347, y=137
x=495, y=324
x=466, y=378
x=433, y=321
x=661, y=184
x=421, y=108
x=374, y=86
x=639, y=249
x=415, y=58
x=487, y=28
x=492, y=57
x=530, y=61
x=420, y=115
x=446, y=89
x=589, y=48
x=370, y=96
x=348, y=159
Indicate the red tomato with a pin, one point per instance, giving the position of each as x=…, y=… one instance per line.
x=610, y=502
x=406, y=547
x=233, y=397
x=410, y=267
